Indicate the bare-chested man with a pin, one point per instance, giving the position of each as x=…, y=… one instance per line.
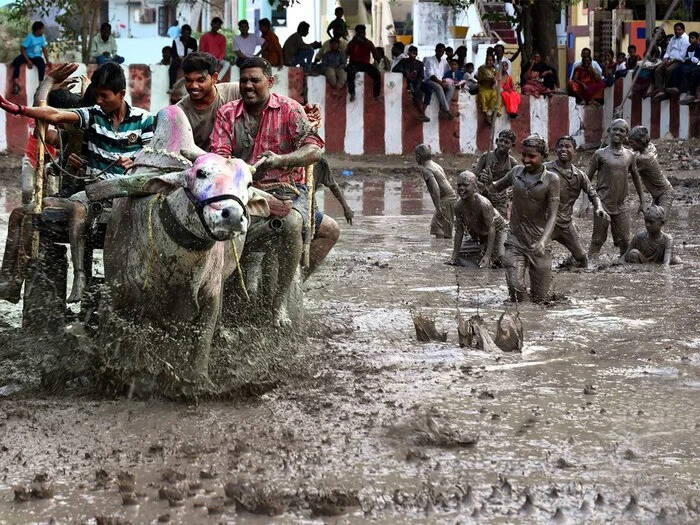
x=535, y=205
x=441, y=192
x=474, y=214
x=654, y=180
x=612, y=165
x=572, y=182
x=493, y=166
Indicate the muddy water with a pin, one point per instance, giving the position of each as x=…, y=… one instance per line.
x=595, y=421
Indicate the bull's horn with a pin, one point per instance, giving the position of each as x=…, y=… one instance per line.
x=192, y=154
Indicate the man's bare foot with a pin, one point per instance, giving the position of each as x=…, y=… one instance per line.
x=281, y=318
x=79, y=283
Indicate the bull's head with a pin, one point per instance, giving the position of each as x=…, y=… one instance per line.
x=217, y=187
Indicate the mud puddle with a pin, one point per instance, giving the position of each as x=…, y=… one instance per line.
x=594, y=422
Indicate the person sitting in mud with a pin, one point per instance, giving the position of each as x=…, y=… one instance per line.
x=535, y=204
x=272, y=131
x=493, y=166
x=612, y=165
x=654, y=180
x=652, y=245
x=572, y=182
x=114, y=133
x=475, y=215
x=324, y=177
x=441, y=192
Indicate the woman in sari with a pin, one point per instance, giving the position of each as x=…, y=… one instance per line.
x=586, y=84
x=486, y=75
x=510, y=97
x=538, y=79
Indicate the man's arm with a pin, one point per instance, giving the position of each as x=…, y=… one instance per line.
x=668, y=249
x=503, y=183
x=593, y=197
x=458, y=236
x=637, y=181
x=552, y=209
x=46, y=113
x=338, y=193
x=305, y=155
x=433, y=189
x=593, y=168
x=486, y=259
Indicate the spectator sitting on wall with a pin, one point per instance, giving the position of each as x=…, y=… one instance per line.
x=104, y=46
x=537, y=78
x=586, y=52
x=338, y=23
x=271, y=49
x=381, y=61
x=454, y=75
x=359, y=51
x=673, y=58
x=435, y=68
x=470, y=80
x=397, y=53
x=486, y=75
x=609, y=67
x=621, y=65
x=214, y=43
x=413, y=71
x=632, y=58
x=656, y=47
x=174, y=30
x=461, y=56
x=166, y=53
x=326, y=46
x=510, y=97
x=586, y=84
x=244, y=45
x=449, y=54
x=181, y=47
x=296, y=51
x=31, y=50
x=333, y=65
x=685, y=78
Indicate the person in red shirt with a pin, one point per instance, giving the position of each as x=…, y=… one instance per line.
x=360, y=52
x=272, y=49
x=214, y=43
x=273, y=131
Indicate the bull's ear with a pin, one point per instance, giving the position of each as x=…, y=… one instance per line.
x=257, y=203
x=166, y=183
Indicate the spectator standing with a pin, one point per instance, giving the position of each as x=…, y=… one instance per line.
x=32, y=53
x=181, y=47
x=413, y=71
x=333, y=64
x=271, y=49
x=338, y=23
x=673, y=58
x=499, y=51
x=174, y=30
x=435, y=68
x=359, y=52
x=244, y=45
x=214, y=43
x=296, y=51
x=166, y=54
x=104, y=46
x=486, y=76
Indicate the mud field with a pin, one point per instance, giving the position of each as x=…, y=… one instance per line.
x=596, y=421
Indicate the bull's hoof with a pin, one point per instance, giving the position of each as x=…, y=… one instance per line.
x=281, y=319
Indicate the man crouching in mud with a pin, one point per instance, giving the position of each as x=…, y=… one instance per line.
x=273, y=130
x=534, y=213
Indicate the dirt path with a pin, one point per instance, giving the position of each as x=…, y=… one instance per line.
x=594, y=422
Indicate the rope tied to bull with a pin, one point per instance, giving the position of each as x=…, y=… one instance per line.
x=156, y=199
x=239, y=271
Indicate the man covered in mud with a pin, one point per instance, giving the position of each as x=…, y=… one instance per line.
x=273, y=132
x=475, y=215
x=440, y=191
x=535, y=204
x=493, y=166
x=652, y=245
x=612, y=165
x=572, y=182
x=324, y=177
x=654, y=180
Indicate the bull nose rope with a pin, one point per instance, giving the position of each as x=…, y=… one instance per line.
x=239, y=271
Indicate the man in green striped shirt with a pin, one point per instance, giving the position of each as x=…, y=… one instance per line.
x=114, y=133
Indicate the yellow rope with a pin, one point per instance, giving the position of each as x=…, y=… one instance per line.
x=240, y=271
x=156, y=199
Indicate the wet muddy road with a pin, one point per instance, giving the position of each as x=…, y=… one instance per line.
x=596, y=421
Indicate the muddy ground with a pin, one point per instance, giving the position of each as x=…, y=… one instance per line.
x=596, y=421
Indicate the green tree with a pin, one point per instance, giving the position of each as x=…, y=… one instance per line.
x=12, y=31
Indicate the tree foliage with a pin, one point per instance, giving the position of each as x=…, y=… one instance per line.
x=12, y=30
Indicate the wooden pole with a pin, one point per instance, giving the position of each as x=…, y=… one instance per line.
x=38, y=194
x=309, y=233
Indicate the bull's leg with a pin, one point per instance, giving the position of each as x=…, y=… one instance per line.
x=206, y=323
x=76, y=234
x=288, y=256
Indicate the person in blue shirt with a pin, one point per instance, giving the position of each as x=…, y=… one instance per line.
x=32, y=48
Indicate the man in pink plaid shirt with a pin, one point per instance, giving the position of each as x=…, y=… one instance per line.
x=273, y=131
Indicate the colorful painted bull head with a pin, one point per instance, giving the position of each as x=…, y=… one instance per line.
x=217, y=187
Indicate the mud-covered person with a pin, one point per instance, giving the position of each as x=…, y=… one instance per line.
x=324, y=177
x=656, y=183
x=475, y=215
x=652, y=245
x=114, y=132
x=273, y=130
x=440, y=190
x=493, y=166
x=608, y=170
x=535, y=205
x=572, y=182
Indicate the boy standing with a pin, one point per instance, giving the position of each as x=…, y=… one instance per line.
x=31, y=50
x=652, y=245
x=493, y=166
x=612, y=165
x=338, y=23
x=441, y=192
x=535, y=204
